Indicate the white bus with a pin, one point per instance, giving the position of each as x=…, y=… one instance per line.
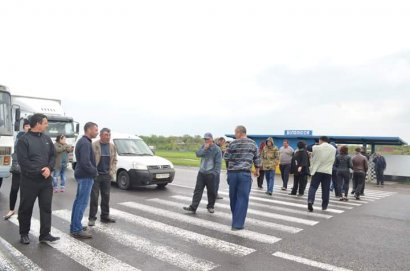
x=6, y=132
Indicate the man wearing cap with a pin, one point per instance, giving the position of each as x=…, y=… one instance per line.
x=211, y=158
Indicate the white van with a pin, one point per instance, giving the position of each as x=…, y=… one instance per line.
x=137, y=164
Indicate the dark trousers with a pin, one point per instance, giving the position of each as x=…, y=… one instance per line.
x=343, y=179
x=217, y=181
x=1, y=181
x=240, y=184
x=380, y=176
x=30, y=190
x=14, y=190
x=285, y=172
x=299, y=183
x=336, y=186
x=102, y=184
x=204, y=180
x=260, y=178
x=324, y=180
x=359, y=178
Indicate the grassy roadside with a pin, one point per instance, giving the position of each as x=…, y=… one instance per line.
x=187, y=159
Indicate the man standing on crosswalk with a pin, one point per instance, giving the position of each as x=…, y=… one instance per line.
x=211, y=159
x=323, y=158
x=241, y=154
x=85, y=172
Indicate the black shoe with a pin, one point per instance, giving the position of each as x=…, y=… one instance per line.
x=82, y=235
x=108, y=220
x=25, y=240
x=236, y=229
x=352, y=192
x=189, y=209
x=357, y=197
x=292, y=194
x=49, y=239
x=300, y=195
x=324, y=208
x=310, y=207
x=219, y=197
x=211, y=210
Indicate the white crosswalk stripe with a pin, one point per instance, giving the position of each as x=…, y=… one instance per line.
x=19, y=261
x=250, y=211
x=80, y=252
x=259, y=237
x=226, y=216
x=157, y=251
x=332, y=203
x=298, y=205
x=189, y=236
x=308, y=262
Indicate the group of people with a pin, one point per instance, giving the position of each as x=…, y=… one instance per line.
x=38, y=164
x=323, y=161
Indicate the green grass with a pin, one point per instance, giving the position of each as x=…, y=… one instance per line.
x=187, y=159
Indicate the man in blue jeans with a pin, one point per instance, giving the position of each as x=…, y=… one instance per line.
x=240, y=155
x=85, y=172
x=323, y=158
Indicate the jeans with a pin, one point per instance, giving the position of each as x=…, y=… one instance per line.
x=336, y=187
x=270, y=178
x=30, y=190
x=204, y=180
x=299, y=183
x=260, y=178
x=240, y=184
x=285, y=171
x=102, y=184
x=59, y=173
x=359, y=178
x=324, y=180
x=84, y=187
x=343, y=179
x=380, y=176
x=14, y=190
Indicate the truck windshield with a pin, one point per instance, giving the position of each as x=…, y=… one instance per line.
x=6, y=127
x=56, y=128
x=132, y=147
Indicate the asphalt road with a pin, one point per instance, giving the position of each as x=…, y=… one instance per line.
x=154, y=233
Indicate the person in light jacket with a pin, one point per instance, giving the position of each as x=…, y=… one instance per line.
x=270, y=160
x=62, y=151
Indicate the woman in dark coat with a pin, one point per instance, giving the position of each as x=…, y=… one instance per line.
x=300, y=169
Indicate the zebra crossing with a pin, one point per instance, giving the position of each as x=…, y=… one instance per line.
x=271, y=219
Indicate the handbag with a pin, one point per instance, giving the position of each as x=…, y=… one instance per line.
x=15, y=167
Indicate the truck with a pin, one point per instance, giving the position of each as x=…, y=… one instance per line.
x=6, y=132
x=58, y=122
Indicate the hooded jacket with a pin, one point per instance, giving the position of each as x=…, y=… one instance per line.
x=270, y=156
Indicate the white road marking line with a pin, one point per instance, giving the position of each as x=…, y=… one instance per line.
x=251, y=221
x=262, y=238
x=334, y=203
x=278, y=208
x=5, y=265
x=189, y=236
x=160, y=252
x=308, y=262
x=250, y=211
x=17, y=257
x=80, y=252
x=304, y=206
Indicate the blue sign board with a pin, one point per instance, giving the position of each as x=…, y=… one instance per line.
x=298, y=132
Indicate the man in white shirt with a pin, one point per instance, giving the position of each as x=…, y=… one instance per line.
x=323, y=158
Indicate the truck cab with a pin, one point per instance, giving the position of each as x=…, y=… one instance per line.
x=58, y=122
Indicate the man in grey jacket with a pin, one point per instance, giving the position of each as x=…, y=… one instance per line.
x=211, y=158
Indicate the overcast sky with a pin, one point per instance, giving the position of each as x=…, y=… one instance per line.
x=187, y=67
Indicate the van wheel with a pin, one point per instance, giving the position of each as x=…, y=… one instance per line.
x=162, y=185
x=123, y=180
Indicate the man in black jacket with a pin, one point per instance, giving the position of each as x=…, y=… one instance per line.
x=36, y=156
x=85, y=172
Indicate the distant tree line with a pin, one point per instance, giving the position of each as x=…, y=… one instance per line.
x=174, y=143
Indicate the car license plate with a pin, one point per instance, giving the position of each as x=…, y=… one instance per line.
x=162, y=176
